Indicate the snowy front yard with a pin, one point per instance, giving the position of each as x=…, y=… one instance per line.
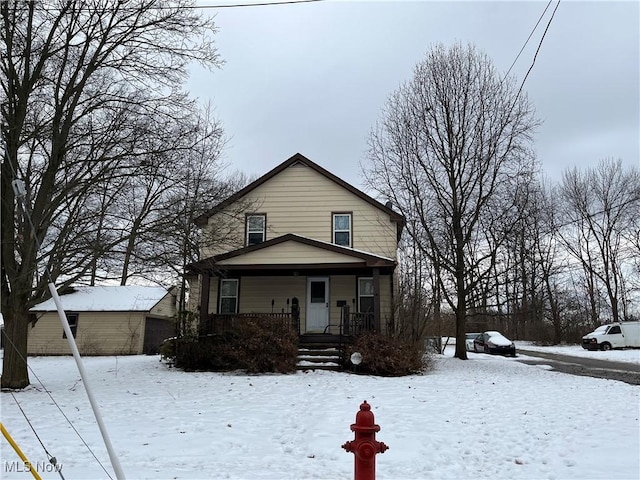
x=489, y=417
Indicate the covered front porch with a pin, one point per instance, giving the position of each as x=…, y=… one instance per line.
x=337, y=291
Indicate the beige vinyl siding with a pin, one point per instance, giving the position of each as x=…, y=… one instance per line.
x=300, y=200
x=256, y=294
x=165, y=308
x=195, y=296
x=98, y=333
x=288, y=253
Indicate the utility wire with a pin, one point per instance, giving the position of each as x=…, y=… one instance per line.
x=52, y=459
x=263, y=4
x=6, y=337
x=527, y=40
x=24, y=206
x=538, y=49
x=190, y=7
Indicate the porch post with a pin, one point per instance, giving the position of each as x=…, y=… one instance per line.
x=376, y=300
x=204, y=297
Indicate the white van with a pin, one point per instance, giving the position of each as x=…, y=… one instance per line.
x=613, y=335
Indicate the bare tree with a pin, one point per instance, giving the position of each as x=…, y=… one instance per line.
x=551, y=261
x=601, y=206
x=198, y=180
x=632, y=239
x=450, y=150
x=413, y=300
x=79, y=82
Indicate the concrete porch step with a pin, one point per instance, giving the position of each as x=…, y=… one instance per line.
x=318, y=358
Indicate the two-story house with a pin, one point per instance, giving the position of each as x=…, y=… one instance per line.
x=307, y=246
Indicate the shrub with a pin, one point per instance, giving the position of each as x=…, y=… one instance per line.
x=212, y=353
x=387, y=356
x=257, y=345
x=168, y=349
x=267, y=347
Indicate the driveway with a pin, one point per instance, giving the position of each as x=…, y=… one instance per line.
x=590, y=367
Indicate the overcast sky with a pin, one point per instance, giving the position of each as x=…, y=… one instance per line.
x=312, y=78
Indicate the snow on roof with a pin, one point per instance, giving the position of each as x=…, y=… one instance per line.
x=107, y=299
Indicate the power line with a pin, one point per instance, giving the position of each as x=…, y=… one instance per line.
x=190, y=7
x=527, y=40
x=538, y=49
x=592, y=215
x=20, y=194
x=263, y=4
x=51, y=458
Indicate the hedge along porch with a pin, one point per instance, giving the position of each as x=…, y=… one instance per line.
x=268, y=278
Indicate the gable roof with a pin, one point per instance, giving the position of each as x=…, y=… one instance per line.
x=366, y=258
x=127, y=298
x=301, y=159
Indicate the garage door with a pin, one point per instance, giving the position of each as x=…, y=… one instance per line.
x=155, y=332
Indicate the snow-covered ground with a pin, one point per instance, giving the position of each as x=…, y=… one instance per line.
x=627, y=355
x=486, y=418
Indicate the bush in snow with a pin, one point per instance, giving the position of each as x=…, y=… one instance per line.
x=387, y=356
x=257, y=345
x=266, y=346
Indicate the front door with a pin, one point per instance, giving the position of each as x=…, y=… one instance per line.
x=317, y=304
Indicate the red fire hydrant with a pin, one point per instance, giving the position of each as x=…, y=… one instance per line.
x=365, y=447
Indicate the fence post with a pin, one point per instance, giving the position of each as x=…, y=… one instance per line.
x=364, y=446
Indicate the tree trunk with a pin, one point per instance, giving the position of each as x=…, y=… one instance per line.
x=461, y=293
x=14, y=366
x=461, y=345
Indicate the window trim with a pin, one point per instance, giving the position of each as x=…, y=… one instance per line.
x=247, y=231
x=72, y=325
x=360, y=295
x=334, y=231
x=236, y=296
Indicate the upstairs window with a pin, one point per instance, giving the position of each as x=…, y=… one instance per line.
x=72, y=318
x=256, y=229
x=228, y=296
x=342, y=229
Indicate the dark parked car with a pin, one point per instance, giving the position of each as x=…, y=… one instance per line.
x=494, y=342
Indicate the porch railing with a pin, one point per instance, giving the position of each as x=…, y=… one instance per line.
x=352, y=323
x=217, y=323
x=357, y=323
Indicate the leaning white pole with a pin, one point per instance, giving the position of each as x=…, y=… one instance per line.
x=115, y=463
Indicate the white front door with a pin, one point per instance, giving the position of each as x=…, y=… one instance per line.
x=317, y=303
